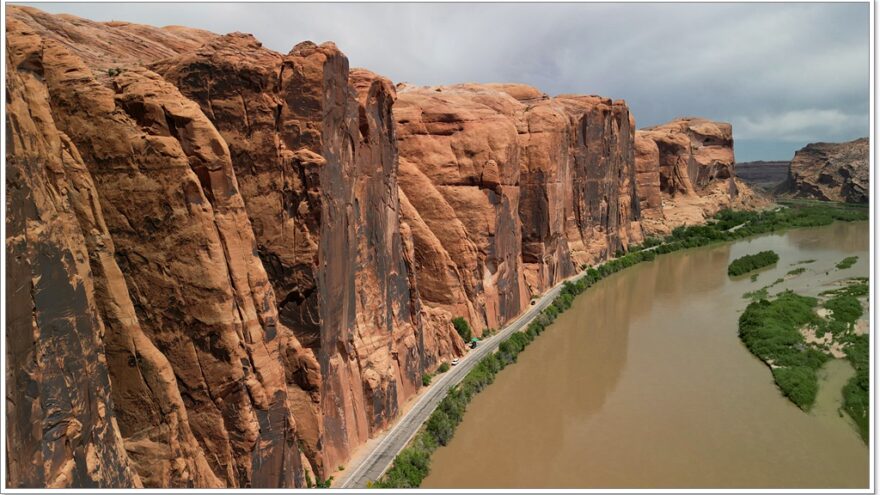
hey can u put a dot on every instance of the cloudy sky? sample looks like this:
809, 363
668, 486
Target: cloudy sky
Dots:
783, 74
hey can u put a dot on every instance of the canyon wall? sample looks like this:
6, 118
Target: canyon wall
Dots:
511, 191
830, 172
686, 174
230, 267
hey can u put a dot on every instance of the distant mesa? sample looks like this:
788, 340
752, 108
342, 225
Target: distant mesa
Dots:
763, 175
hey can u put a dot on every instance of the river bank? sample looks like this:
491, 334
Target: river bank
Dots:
645, 384
413, 464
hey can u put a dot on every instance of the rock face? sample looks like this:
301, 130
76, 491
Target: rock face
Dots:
687, 167
239, 175
508, 191
229, 267
830, 172
316, 158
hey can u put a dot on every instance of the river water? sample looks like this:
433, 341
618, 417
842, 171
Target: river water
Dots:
644, 383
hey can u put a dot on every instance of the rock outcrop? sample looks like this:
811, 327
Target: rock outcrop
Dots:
314, 149
230, 267
694, 177
510, 190
830, 172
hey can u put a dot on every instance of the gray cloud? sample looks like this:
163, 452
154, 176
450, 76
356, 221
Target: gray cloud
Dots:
783, 74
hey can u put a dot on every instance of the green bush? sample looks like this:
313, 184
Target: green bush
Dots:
441, 427
798, 383
463, 329
751, 262
426, 379
847, 262
856, 399
443, 368
845, 308
796, 271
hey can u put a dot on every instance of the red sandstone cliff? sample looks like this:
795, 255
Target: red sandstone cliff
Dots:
511, 191
229, 267
686, 174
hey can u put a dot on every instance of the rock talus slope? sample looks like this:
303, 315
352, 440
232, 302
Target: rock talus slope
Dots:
830, 172
230, 267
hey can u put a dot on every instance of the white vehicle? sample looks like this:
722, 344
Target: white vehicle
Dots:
455, 361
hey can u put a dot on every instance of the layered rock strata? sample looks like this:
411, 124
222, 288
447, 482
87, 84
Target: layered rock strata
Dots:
830, 172
686, 174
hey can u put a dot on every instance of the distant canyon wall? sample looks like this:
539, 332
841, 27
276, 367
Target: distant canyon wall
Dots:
830, 172
230, 267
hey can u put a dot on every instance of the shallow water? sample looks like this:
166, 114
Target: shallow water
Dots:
644, 383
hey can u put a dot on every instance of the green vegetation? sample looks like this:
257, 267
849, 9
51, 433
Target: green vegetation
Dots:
317, 483
751, 262
756, 295
770, 330
794, 214
803, 262
856, 286
846, 310
847, 262
796, 271
115, 71
412, 464
426, 379
463, 329
855, 392
754, 277
443, 368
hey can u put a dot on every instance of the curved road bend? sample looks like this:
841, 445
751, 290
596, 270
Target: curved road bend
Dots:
374, 463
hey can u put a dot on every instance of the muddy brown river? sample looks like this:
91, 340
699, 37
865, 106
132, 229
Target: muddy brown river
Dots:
644, 383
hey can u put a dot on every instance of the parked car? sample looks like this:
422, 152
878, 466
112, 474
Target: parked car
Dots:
455, 361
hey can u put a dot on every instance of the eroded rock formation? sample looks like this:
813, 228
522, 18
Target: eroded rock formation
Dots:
830, 172
686, 166
510, 191
229, 267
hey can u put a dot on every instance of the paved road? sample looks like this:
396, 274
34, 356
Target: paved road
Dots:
376, 462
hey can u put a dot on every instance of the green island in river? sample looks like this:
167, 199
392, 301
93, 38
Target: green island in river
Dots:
795, 335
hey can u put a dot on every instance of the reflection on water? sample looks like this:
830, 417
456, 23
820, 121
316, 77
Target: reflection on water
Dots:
644, 383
